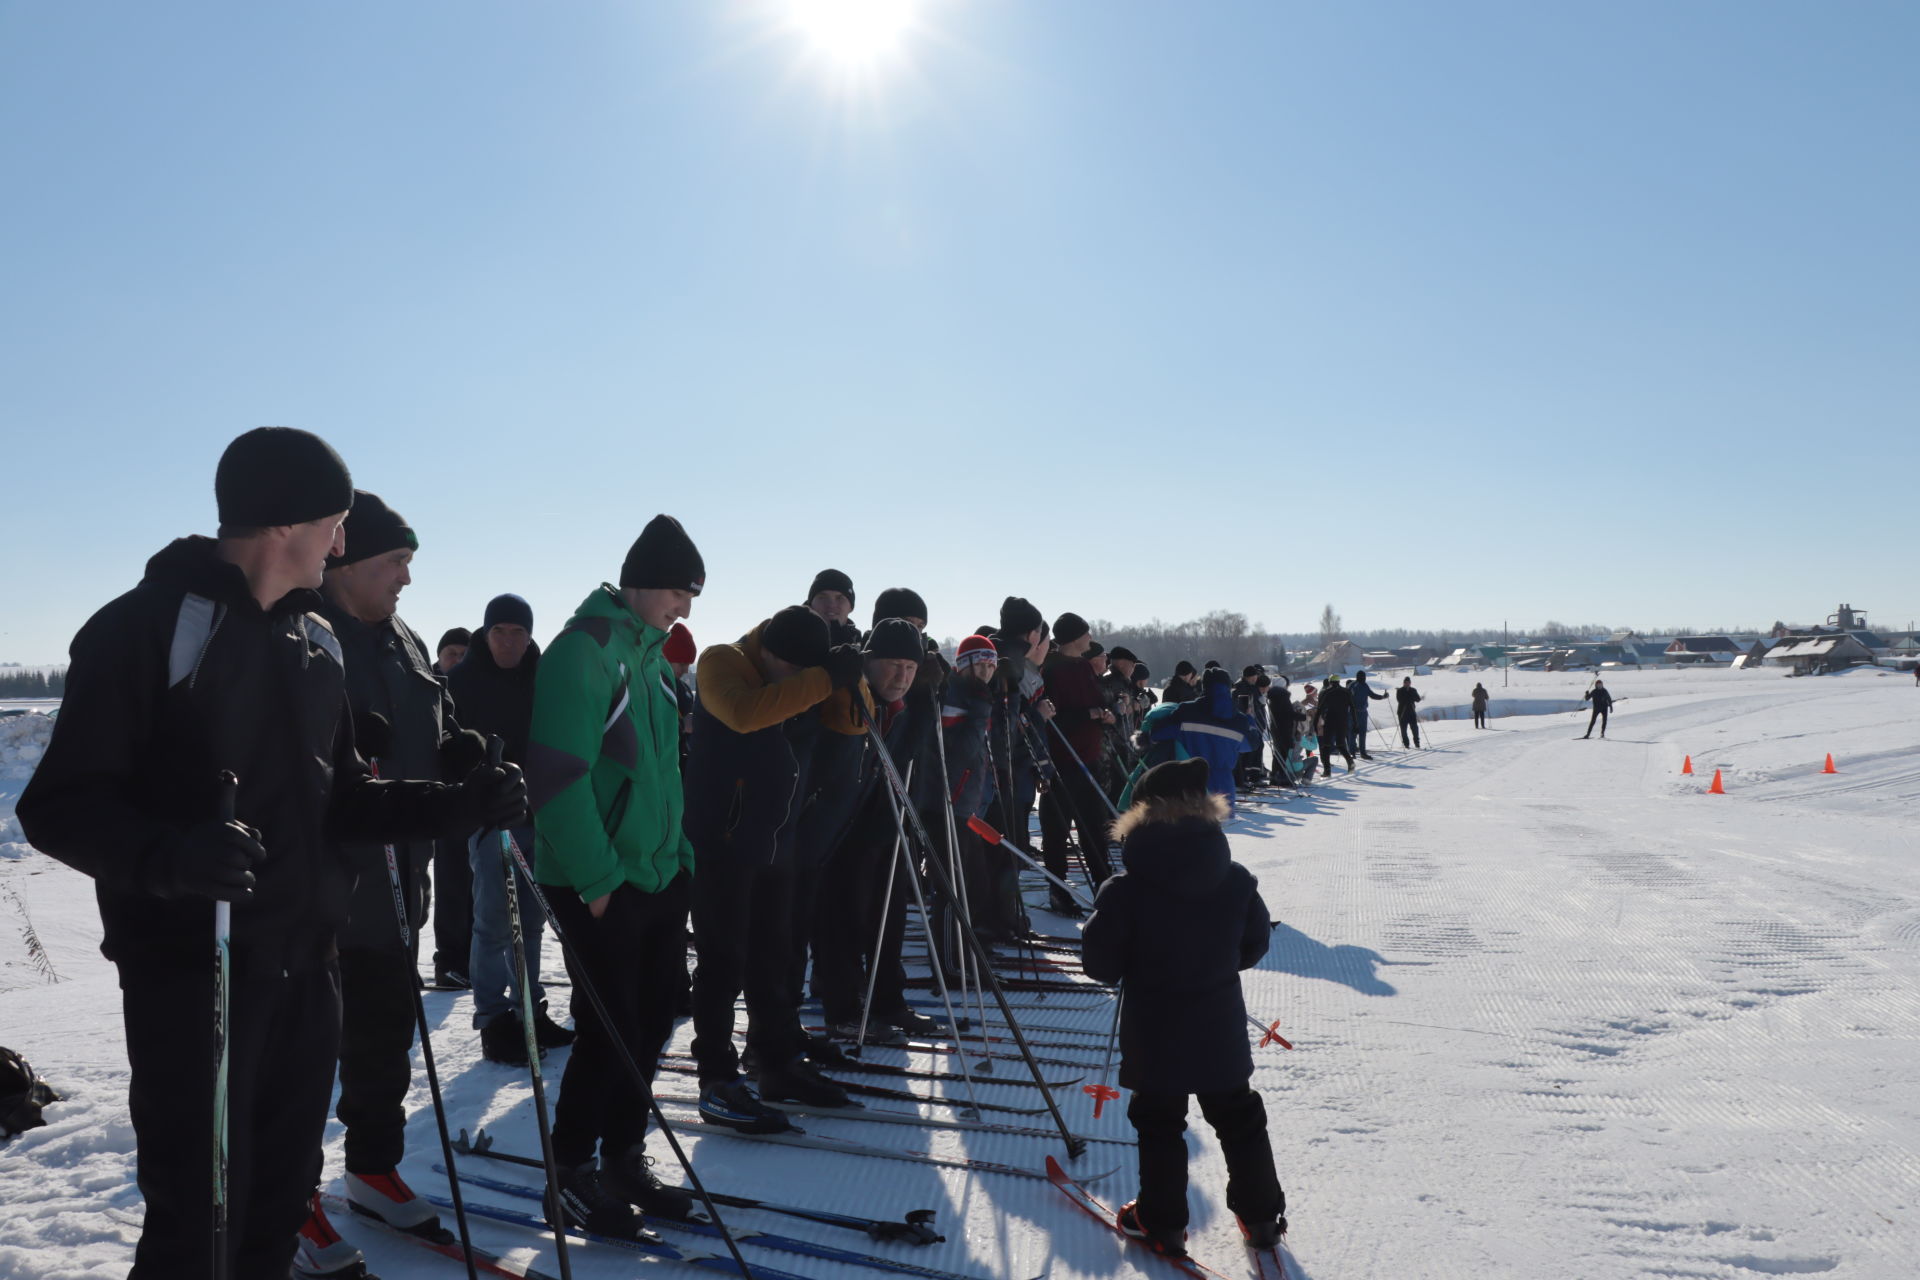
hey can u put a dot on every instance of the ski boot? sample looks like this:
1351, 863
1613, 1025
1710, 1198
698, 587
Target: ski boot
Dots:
1263, 1233
1168, 1244
731, 1105
590, 1205
630, 1176
800, 1081
319, 1253
386, 1197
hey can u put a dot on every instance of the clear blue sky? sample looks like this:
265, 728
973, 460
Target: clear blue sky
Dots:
1444, 313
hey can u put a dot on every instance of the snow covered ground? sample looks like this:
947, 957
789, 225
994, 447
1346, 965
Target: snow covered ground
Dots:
1557, 1013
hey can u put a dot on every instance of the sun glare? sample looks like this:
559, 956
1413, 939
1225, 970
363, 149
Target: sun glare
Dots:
852, 33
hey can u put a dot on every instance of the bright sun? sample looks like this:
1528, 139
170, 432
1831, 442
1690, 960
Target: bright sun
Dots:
853, 33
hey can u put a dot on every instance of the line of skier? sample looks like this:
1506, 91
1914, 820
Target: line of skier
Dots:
756, 807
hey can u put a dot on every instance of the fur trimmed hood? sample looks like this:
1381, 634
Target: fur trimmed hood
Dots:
1210, 808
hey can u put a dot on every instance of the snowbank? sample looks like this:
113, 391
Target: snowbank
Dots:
23, 740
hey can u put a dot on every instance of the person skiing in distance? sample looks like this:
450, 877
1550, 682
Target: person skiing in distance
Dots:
452, 648
1175, 930
742, 783
1333, 713
1362, 694
1602, 704
1408, 700
219, 660
1185, 685
1480, 697
493, 691
603, 761
403, 719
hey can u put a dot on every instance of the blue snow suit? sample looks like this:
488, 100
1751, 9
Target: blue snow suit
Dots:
1210, 728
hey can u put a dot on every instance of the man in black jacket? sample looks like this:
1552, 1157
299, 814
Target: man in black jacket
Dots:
1185, 685
493, 694
403, 722
1335, 706
1407, 699
1602, 704
218, 661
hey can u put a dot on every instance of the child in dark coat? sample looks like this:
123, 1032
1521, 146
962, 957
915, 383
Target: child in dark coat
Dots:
1175, 929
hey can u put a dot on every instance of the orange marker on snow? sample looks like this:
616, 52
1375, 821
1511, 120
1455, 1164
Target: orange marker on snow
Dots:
1688, 766
1716, 789
1829, 768
1101, 1094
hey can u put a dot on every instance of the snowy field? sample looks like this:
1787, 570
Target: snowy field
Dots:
1557, 1013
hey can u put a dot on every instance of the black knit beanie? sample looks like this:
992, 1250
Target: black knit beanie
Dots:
899, 602
1093, 650
510, 609
831, 580
1140, 673
373, 529
1122, 654
454, 635
895, 638
1069, 627
274, 476
1018, 617
1216, 676
797, 634
664, 556
1174, 780
1183, 668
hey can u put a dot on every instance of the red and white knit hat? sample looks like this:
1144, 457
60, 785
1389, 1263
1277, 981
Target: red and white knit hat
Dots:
975, 649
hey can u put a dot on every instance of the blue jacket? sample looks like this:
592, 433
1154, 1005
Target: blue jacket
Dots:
1210, 728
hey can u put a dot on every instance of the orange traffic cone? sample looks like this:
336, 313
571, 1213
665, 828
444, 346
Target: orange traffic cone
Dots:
1688, 766
1716, 789
1829, 768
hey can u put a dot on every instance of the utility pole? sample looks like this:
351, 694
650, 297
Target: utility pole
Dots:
1506, 654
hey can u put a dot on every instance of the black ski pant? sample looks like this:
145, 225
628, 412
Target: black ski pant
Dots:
853, 897
743, 930
1409, 724
1360, 727
1479, 715
1333, 737
1239, 1120
636, 957
1599, 716
452, 907
376, 1056
1072, 799
283, 1041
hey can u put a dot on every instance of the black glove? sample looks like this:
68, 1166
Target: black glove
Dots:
493, 797
845, 665
215, 860
372, 735
461, 754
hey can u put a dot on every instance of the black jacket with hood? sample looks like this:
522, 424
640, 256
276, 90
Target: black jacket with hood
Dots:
1177, 927
173, 682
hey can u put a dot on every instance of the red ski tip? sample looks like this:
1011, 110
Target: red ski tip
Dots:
980, 828
1101, 1094
1273, 1036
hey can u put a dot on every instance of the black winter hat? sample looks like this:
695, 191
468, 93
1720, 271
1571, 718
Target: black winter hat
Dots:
1251, 670
1216, 675
899, 602
1174, 780
273, 476
664, 556
895, 638
1069, 627
510, 609
1018, 617
1122, 654
1213, 664
1093, 650
831, 580
1140, 673
454, 635
1183, 668
373, 529
797, 634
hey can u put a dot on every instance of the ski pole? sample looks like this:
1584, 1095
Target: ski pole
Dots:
879, 940
228, 801
584, 983
1044, 766
960, 879
1104, 1092
556, 1207
1076, 1145
426, 1048
1084, 771
980, 827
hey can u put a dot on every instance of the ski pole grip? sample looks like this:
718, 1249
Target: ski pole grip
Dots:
980, 828
496, 750
228, 795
